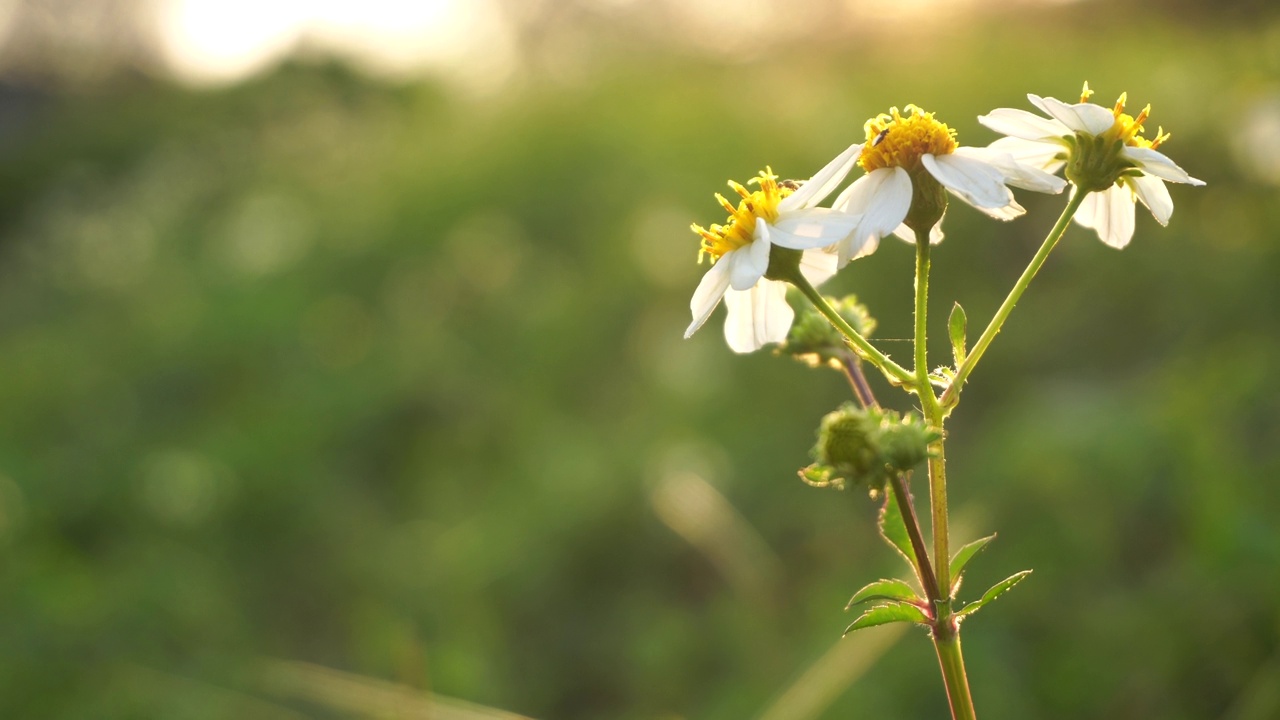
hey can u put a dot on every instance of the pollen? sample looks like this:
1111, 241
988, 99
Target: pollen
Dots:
739, 229
899, 140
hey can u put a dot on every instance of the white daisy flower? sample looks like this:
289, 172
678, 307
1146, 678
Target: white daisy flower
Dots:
779, 222
909, 159
1105, 154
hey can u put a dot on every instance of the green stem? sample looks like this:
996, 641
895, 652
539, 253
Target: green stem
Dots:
946, 637
859, 344
953, 675
952, 395
923, 389
933, 415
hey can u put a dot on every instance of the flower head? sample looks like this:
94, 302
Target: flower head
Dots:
771, 233
1105, 154
911, 160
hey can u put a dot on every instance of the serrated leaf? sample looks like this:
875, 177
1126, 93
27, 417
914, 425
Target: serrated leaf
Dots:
956, 327
893, 529
962, 558
895, 590
890, 613
996, 591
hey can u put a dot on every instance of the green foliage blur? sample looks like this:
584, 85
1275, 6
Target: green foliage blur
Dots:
389, 379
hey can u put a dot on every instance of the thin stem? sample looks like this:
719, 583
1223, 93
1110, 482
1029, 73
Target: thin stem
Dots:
852, 368
859, 344
923, 389
898, 481
933, 415
938, 504
953, 675
946, 637
950, 397
908, 509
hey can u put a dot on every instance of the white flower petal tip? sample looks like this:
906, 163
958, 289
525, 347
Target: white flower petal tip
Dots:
757, 317
817, 188
973, 180
710, 290
1110, 214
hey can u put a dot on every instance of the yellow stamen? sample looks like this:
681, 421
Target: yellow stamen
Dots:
739, 229
898, 140
1128, 129
1086, 93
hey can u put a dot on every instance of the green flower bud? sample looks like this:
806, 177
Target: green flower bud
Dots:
813, 339
846, 442
867, 446
904, 443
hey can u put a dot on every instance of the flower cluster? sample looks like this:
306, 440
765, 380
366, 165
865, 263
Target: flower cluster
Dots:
776, 232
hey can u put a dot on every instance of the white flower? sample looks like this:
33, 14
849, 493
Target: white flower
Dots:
1106, 157
902, 150
777, 215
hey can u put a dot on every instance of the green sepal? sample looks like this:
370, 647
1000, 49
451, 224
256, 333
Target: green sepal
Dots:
956, 326
996, 591
892, 590
962, 558
888, 613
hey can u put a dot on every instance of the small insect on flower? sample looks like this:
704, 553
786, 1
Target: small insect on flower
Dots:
911, 160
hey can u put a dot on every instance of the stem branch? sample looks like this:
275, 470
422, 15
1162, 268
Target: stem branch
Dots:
859, 344
952, 394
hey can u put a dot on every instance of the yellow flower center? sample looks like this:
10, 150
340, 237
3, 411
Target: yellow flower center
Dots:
897, 140
740, 228
1128, 129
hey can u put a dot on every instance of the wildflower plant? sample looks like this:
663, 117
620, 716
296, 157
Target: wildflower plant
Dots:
777, 235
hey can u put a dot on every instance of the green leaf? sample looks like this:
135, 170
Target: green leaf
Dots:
894, 529
894, 590
962, 558
956, 326
891, 613
996, 591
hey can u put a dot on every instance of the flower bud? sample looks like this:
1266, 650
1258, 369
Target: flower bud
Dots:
814, 340
867, 446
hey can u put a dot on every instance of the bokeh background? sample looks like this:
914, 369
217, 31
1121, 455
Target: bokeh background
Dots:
341, 370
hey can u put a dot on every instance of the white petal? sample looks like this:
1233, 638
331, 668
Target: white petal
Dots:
975, 181
818, 187
1080, 117
1110, 214
757, 316
1015, 173
1152, 192
883, 198
1024, 125
818, 266
1157, 163
811, 228
1046, 156
747, 265
909, 235
707, 296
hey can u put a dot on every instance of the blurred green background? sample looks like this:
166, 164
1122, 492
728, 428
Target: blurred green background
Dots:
326, 393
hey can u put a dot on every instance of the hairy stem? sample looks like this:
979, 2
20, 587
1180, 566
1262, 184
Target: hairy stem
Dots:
946, 634
952, 394
953, 675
